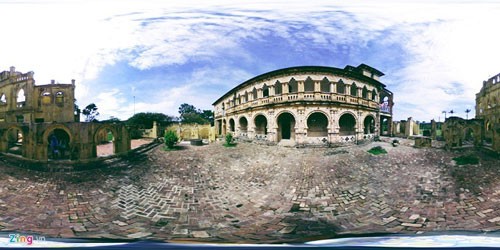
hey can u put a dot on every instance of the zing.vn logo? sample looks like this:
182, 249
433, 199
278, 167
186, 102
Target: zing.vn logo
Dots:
24, 239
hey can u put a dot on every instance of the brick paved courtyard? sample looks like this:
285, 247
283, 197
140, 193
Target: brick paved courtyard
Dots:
255, 193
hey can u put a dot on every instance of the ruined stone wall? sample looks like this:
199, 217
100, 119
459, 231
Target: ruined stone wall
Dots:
191, 131
23, 101
81, 139
458, 132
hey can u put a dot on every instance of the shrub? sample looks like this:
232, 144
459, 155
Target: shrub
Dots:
466, 159
377, 150
229, 140
170, 139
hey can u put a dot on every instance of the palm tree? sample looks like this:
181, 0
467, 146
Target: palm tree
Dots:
467, 114
451, 112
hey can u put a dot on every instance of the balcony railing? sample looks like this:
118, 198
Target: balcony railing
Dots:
333, 97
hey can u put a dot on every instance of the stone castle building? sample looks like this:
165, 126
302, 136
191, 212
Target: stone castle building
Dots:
484, 129
488, 110
307, 105
40, 122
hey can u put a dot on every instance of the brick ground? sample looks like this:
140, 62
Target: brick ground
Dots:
252, 193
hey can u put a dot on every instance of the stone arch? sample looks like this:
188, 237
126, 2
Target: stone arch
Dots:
46, 97
103, 135
369, 124
347, 123
468, 136
354, 89
317, 124
265, 91
286, 125
325, 85
278, 88
14, 139
341, 87
3, 99
243, 124
224, 127
58, 140
260, 121
364, 92
231, 125
21, 98
293, 86
374, 95
309, 85
254, 94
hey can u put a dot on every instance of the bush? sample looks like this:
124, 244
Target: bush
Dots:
170, 139
466, 159
229, 140
377, 150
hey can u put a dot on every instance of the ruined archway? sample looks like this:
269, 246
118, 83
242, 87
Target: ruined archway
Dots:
58, 147
286, 126
260, 125
243, 124
104, 141
369, 125
231, 125
317, 125
14, 137
347, 124
468, 136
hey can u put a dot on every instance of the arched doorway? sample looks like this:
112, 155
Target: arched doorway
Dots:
231, 125
260, 125
14, 140
286, 126
105, 141
369, 125
224, 127
347, 124
469, 136
243, 124
58, 145
317, 125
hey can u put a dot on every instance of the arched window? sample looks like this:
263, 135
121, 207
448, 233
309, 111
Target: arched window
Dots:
347, 124
46, 98
293, 87
3, 99
243, 124
254, 94
245, 96
260, 125
21, 98
341, 87
374, 95
354, 89
317, 125
325, 85
59, 97
309, 85
278, 88
265, 91
231, 125
364, 93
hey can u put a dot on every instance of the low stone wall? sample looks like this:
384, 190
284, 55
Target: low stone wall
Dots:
423, 142
187, 132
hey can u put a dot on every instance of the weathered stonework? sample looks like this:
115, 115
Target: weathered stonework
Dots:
488, 110
39, 122
459, 132
307, 105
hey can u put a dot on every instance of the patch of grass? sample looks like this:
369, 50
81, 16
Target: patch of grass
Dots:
174, 148
466, 160
229, 145
377, 150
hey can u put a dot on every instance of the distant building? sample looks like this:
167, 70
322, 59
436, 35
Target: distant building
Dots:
307, 105
40, 122
488, 109
484, 130
23, 101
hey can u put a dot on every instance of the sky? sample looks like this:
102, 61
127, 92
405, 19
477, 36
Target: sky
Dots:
151, 56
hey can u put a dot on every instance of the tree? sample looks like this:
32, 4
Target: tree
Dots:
467, 111
145, 120
190, 114
90, 112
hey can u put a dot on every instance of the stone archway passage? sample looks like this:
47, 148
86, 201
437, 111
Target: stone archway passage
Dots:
58, 147
260, 125
105, 142
243, 124
286, 126
369, 125
231, 125
14, 138
317, 125
347, 124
